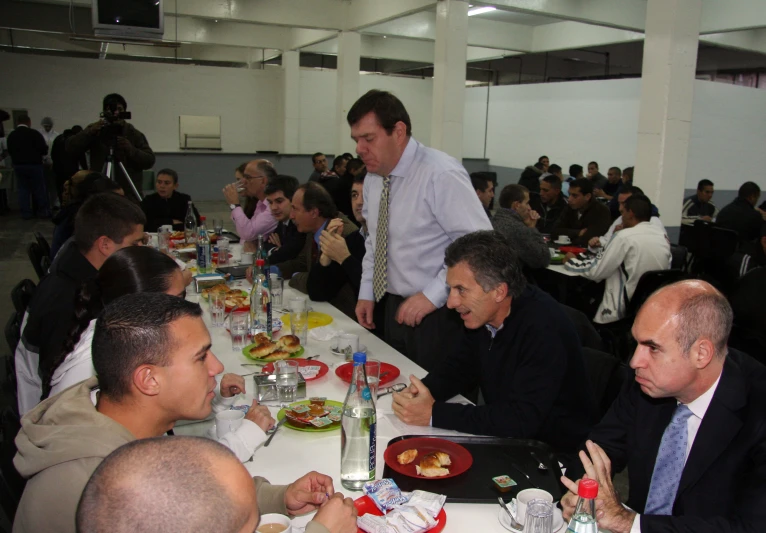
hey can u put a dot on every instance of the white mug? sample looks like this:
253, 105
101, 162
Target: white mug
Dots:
563, 239
274, 518
518, 505
348, 340
228, 421
246, 258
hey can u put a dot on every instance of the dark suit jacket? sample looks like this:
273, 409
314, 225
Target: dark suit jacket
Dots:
723, 485
596, 218
291, 243
26, 146
162, 212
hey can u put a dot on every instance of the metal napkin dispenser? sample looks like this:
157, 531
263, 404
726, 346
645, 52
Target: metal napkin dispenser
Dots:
266, 388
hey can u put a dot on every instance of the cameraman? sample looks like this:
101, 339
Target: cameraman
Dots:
131, 147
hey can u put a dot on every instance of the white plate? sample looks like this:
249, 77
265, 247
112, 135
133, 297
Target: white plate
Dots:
559, 526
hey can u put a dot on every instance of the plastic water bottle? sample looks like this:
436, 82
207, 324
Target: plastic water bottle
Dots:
358, 430
190, 225
260, 301
584, 517
204, 253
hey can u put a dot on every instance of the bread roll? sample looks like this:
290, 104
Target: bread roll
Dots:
406, 457
289, 343
277, 355
431, 465
262, 350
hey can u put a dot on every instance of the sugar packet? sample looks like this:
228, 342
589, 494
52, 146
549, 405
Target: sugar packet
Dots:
384, 493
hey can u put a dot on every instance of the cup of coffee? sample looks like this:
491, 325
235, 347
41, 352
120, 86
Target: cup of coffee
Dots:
228, 421
563, 239
348, 341
518, 505
274, 523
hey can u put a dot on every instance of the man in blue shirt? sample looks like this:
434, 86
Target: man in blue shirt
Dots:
417, 201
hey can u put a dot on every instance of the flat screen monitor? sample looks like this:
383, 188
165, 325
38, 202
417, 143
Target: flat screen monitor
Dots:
132, 19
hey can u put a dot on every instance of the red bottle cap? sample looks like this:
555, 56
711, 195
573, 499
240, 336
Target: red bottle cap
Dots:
202, 218
588, 488
260, 262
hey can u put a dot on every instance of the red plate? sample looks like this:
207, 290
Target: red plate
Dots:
323, 368
461, 458
572, 250
344, 372
365, 505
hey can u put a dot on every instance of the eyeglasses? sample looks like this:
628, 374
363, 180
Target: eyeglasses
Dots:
248, 177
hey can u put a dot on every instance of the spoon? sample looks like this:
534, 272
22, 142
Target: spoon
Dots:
514, 523
540, 466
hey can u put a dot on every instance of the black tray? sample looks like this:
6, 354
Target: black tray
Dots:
236, 272
492, 456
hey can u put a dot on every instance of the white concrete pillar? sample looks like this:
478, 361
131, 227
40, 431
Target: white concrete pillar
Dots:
349, 53
291, 102
665, 113
449, 76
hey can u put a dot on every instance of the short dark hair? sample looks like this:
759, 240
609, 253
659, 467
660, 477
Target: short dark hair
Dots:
337, 161
628, 171
630, 189
554, 168
540, 159
553, 181
574, 170
491, 258
640, 206
704, 183
388, 110
76, 128
584, 184
106, 214
347, 156
132, 331
354, 165
360, 178
618, 169
316, 197
593, 163
480, 183
113, 99
512, 193
24, 119
170, 172
286, 184
93, 183
314, 157
160, 484
748, 189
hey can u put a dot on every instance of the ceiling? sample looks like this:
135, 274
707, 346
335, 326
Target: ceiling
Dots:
397, 35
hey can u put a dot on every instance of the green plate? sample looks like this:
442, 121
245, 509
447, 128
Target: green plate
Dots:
312, 429
246, 353
558, 259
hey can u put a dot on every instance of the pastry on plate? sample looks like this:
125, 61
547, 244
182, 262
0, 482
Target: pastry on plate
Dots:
289, 343
263, 350
432, 465
276, 355
406, 457
261, 338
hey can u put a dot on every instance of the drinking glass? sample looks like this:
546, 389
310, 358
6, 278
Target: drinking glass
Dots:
372, 368
287, 381
276, 284
223, 251
539, 517
218, 225
299, 319
217, 308
239, 327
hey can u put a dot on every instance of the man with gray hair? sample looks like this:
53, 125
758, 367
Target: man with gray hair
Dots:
185, 484
518, 347
691, 428
256, 175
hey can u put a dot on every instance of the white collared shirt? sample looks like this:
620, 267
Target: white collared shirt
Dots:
698, 408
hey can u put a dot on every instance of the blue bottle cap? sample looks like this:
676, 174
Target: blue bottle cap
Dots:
360, 357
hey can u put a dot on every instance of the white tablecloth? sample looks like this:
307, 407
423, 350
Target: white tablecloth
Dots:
292, 453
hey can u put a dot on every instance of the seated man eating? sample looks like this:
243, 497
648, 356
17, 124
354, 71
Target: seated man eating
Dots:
518, 347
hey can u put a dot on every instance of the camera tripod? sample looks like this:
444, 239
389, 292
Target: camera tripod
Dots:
109, 168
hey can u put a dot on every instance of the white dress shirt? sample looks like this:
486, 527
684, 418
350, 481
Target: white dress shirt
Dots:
431, 204
698, 408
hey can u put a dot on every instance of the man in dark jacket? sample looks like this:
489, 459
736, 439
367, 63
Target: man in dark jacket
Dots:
552, 203
741, 215
167, 207
27, 147
64, 164
519, 348
286, 242
584, 217
131, 147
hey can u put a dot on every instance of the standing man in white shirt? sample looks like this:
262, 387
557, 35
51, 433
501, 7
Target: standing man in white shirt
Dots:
418, 201
253, 185
690, 428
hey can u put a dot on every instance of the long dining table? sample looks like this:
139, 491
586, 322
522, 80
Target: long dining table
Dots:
292, 453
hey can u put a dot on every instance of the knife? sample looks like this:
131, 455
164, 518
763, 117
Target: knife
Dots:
276, 428
516, 467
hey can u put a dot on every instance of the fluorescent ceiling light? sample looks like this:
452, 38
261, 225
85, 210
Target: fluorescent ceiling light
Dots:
480, 10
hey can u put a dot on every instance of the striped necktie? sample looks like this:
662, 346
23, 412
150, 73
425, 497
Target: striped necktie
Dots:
380, 273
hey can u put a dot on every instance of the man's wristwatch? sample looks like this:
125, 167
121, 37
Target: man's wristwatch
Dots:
233, 206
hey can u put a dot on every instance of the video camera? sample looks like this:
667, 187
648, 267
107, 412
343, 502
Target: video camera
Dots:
112, 120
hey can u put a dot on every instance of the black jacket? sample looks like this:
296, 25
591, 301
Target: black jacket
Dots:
743, 218
549, 214
723, 484
162, 212
65, 164
26, 146
291, 242
51, 311
325, 282
596, 219
531, 375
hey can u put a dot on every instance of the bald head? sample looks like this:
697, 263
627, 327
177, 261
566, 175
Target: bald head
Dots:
701, 312
168, 485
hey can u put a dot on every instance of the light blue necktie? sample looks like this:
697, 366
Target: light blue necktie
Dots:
669, 464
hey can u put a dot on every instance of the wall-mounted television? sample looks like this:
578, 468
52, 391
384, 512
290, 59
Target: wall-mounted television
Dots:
131, 19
